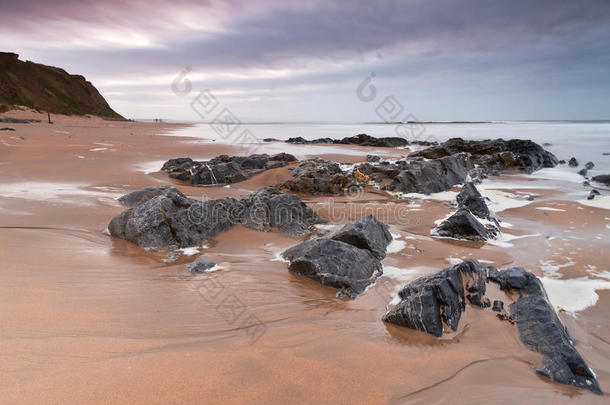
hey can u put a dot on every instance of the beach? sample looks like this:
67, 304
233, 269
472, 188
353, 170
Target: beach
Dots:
87, 317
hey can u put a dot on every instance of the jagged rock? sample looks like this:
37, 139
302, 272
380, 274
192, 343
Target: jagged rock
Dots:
603, 178
471, 199
589, 165
592, 194
349, 260
463, 225
583, 172
541, 330
335, 264
495, 155
573, 162
366, 233
224, 169
382, 170
319, 176
201, 265
432, 176
361, 139
175, 221
372, 158
498, 306
434, 303
144, 194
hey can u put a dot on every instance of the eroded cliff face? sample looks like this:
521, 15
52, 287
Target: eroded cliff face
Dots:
48, 88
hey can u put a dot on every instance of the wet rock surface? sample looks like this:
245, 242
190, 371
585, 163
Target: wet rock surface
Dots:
602, 178
434, 303
201, 265
319, 177
432, 176
541, 330
144, 194
495, 155
471, 199
573, 162
224, 169
360, 139
463, 225
349, 260
175, 221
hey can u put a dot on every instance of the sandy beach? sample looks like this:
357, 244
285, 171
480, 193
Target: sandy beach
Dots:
91, 318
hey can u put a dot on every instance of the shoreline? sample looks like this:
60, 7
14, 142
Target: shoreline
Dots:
113, 321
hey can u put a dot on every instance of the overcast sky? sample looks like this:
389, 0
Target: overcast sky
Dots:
283, 60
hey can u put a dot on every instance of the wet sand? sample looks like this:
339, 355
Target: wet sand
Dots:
89, 318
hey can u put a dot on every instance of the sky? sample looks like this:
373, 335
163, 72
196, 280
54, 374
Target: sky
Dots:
328, 61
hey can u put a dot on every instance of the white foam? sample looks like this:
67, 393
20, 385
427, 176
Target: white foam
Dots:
503, 239
550, 209
396, 246
573, 295
150, 167
97, 149
50, 191
398, 273
550, 268
279, 258
600, 201
192, 250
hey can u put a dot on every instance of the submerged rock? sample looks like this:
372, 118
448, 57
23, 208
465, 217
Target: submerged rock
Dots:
573, 162
463, 225
592, 194
432, 176
173, 220
224, 169
541, 330
7, 129
603, 178
434, 303
201, 265
361, 139
589, 165
496, 155
349, 260
144, 194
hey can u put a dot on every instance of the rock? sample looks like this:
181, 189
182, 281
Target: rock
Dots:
582, 172
271, 140
473, 201
319, 176
7, 129
144, 194
361, 139
175, 221
530, 198
495, 155
372, 158
573, 162
463, 225
366, 233
224, 169
434, 303
547, 144
432, 176
589, 165
201, 265
541, 330
562, 162
603, 178
336, 264
17, 121
592, 194
498, 306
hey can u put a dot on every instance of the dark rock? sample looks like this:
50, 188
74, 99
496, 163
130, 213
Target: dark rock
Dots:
224, 169
201, 265
366, 233
530, 198
17, 121
498, 306
432, 176
319, 176
144, 194
271, 140
495, 155
435, 303
589, 165
573, 162
335, 264
582, 172
547, 144
372, 158
592, 194
382, 170
541, 330
173, 220
463, 225
7, 129
473, 201
562, 162
586, 183
361, 139
603, 178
